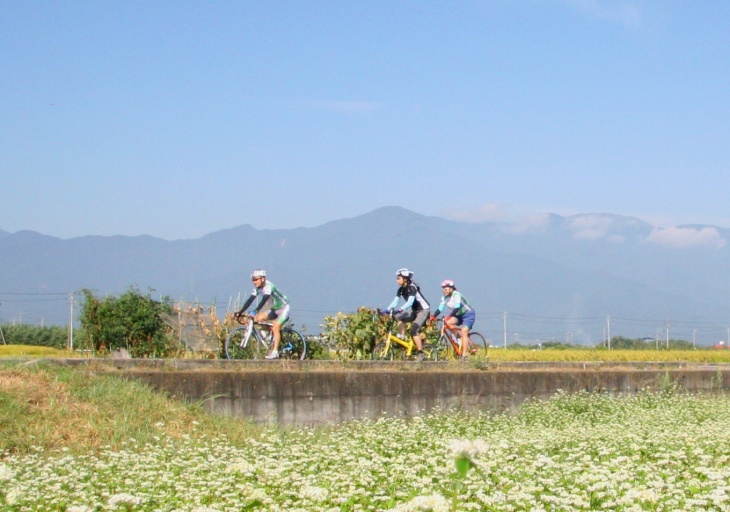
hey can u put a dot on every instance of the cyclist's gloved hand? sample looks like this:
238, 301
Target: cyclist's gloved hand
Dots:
432, 318
399, 310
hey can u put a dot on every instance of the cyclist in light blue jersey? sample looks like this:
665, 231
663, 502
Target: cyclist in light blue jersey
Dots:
461, 316
276, 312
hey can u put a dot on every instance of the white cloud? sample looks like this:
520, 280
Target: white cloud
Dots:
536, 222
687, 237
623, 12
489, 212
591, 227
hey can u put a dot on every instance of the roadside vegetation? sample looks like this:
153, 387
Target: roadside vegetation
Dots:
158, 328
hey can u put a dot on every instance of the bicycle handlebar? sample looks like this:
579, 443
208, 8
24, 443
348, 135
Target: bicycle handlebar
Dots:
245, 318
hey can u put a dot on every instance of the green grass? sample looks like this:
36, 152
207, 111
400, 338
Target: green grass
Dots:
75, 410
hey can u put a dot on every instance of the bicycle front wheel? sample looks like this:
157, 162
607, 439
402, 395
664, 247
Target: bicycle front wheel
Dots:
443, 350
477, 345
293, 345
382, 352
430, 352
236, 346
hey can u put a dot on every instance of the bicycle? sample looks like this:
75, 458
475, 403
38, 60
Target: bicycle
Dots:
448, 345
254, 339
386, 350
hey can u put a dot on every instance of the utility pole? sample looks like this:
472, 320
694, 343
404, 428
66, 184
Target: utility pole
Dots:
1, 332
70, 321
504, 321
666, 326
694, 338
608, 331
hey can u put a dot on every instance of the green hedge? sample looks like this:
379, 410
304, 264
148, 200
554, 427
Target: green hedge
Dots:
51, 336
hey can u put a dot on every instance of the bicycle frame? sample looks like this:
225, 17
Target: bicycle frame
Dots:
453, 336
384, 349
256, 338
253, 328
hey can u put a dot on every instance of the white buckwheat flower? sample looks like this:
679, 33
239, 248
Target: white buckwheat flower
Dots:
433, 503
5, 473
470, 449
314, 493
123, 499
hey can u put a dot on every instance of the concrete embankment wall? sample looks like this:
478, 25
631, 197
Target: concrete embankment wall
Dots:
322, 393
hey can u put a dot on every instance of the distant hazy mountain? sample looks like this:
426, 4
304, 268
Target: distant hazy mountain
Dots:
556, 278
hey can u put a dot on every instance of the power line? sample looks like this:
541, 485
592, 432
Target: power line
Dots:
35, 293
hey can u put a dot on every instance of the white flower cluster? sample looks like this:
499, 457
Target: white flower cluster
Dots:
433, 503
244, 468
123, 499
79, 508
470, 449
5, 473
313, 493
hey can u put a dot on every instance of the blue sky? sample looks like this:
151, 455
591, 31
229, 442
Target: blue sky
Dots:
179, 118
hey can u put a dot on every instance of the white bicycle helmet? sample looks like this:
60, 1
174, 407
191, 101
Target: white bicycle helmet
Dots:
258, 273
404, 272
447, 282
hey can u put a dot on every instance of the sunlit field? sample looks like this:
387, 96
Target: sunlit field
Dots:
35, 351
601, 355
656, 451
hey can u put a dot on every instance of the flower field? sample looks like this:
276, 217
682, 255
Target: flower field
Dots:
655, 451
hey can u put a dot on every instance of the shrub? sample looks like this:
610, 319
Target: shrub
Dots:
353, 335
35, 335
133, 321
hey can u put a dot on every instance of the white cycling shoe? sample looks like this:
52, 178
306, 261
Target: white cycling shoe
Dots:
274, 354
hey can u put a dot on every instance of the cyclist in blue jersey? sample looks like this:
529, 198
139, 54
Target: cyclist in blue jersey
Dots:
416, 308
276, 304
461, 316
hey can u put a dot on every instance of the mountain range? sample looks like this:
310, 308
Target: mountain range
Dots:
567, 278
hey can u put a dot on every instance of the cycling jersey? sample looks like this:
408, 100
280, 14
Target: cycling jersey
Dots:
411, 293
457, 302
268, 293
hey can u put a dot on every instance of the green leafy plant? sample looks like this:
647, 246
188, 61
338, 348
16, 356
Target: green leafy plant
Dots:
353, 335
133, 321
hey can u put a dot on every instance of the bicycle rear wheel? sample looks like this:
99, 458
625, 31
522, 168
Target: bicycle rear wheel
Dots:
293, 345
382, 352
233, 345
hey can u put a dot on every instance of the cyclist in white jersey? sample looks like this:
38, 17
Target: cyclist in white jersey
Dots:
276, 312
